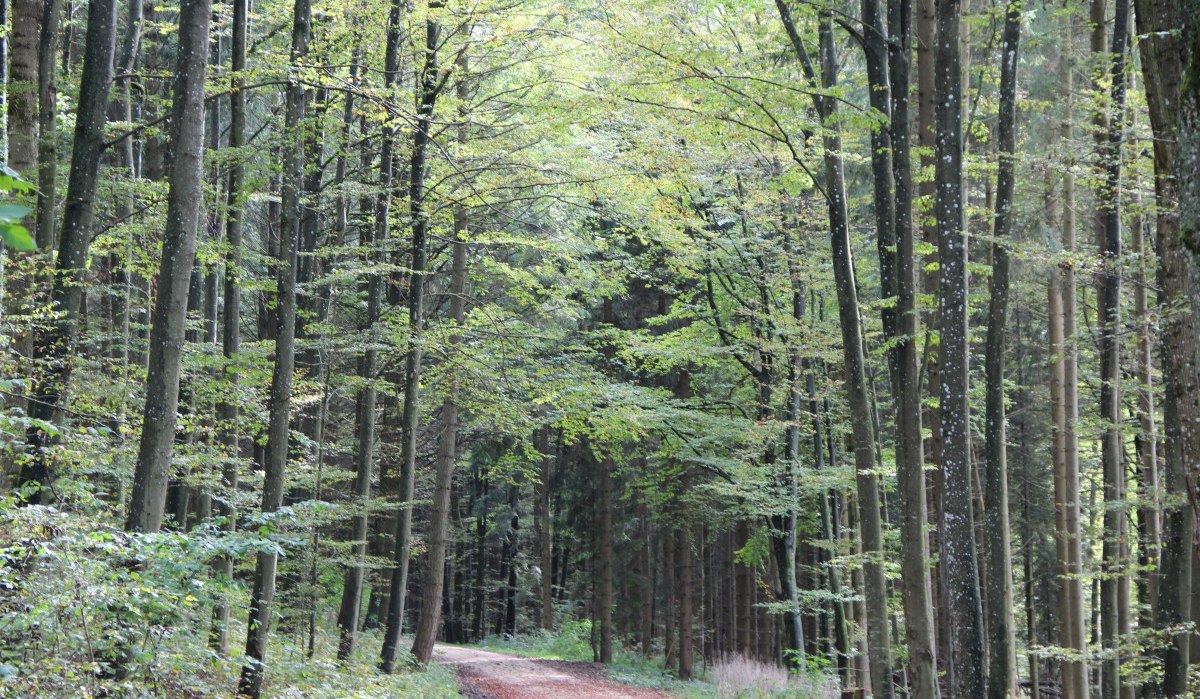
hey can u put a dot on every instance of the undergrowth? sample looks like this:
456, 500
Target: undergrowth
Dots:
77, 593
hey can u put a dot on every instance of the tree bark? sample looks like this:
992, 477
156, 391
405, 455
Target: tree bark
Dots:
22, 90
178, 255
364, 457
227, 410
871, 528
47, 156
430, 85
439, 525
1001, 642
1114, 585
276, 456
604, 558
958, 547
54, 346
1168, 58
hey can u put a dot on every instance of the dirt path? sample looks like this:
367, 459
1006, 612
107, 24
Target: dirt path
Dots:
487, 675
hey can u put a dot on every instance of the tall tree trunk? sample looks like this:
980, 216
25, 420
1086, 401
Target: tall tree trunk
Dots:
47, 174
1166, 58
54, 345
888, 50
364, 458
1114, 585
227, 410
430, 85
543, 532
276, 457
958, 547
871, 528
604, 557
178, 254
439, 525
22, 90
1150, 496
683, 541
1001, 642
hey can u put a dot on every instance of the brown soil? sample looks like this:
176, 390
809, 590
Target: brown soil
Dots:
487, 675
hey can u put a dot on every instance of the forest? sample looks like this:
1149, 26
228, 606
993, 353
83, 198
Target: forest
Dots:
683, 348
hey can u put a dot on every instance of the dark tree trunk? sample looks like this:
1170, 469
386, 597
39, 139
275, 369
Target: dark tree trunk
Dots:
373, 238
1114, 586
604, 556
47, 174
683, 541
1001, 643
1168, 59
958, 546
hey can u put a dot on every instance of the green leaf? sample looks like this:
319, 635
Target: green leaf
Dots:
16, 237
13, 212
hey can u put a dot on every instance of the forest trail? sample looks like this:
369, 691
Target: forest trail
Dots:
487, 675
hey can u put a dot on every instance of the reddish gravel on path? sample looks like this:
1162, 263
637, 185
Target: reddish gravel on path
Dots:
487, 675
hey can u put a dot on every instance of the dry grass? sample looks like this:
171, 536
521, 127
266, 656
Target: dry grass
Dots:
739, 677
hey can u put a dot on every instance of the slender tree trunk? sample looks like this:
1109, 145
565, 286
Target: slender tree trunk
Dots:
419, 214
1150, 497
54, 346
364, 458
276, 457
47, 175
878, 643
543, 532
1114, 604
439, 525
958, 547
604, 557
683, 541
1180, 267
227, 410
178, 254
1001, 642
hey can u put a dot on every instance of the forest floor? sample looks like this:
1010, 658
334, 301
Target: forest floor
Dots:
488, 675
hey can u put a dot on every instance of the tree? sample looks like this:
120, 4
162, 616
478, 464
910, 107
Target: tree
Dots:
958, 548
1001, 641
178, 254
276, 456
54, 345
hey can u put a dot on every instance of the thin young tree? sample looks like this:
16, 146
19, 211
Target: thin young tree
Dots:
1001, 635
374, 235
231, 330
1114, 585
276, 455
430, 86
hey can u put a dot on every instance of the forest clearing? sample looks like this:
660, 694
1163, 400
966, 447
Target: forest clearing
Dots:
599, 348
